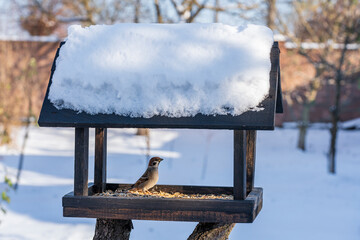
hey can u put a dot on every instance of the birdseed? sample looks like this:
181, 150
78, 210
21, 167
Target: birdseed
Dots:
161, 194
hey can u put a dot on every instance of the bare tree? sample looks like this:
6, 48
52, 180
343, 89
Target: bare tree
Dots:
189, 10
307, 98
38, 17
44, 17
324, 33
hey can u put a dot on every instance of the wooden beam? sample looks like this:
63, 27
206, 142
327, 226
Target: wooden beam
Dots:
239, 164
100, 159
81, 161
250, 159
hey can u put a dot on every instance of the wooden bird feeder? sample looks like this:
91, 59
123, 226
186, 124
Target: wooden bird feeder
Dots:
247, 201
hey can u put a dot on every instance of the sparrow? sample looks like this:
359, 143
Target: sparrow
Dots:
150, 176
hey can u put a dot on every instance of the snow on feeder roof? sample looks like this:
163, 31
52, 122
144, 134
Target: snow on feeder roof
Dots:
173, 70
146, 71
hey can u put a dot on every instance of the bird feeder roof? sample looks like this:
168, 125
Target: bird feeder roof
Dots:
100, 92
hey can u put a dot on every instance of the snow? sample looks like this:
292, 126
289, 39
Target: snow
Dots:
301, 200
351, 124
142, 70
317, 125
29, 38
315, 45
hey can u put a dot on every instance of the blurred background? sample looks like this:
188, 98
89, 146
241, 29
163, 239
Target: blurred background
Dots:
309, 166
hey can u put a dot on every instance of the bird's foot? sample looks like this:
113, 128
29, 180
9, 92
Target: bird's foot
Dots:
147, 192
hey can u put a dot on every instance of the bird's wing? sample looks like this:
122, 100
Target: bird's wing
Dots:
142, 179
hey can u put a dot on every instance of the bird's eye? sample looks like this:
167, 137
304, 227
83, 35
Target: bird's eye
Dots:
154, 163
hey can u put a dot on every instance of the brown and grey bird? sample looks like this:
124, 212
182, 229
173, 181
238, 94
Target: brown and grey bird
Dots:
150, 176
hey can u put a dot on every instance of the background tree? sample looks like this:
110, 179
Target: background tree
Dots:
271, 13
40, 17
327, 34
45, 17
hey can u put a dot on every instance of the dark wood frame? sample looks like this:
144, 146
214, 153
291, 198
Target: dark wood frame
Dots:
247, 202
193, 210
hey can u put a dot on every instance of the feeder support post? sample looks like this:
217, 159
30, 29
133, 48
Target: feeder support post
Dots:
81, 161
239, 164
250, 159
100, 159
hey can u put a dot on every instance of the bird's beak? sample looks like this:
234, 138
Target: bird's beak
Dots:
161, 159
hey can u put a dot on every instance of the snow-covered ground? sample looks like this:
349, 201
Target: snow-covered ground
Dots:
301, 200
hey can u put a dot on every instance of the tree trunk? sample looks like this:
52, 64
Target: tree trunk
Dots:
112, 229
271, 14
142, 132
335, 117
158, 12
302, 136
216, 12
303, 126
335, 110
137, 11
333, 133
212, 231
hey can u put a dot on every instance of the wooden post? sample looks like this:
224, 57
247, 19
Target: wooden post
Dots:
100, 160
218, 231
112, 229
81, 161
239, 164
250, 159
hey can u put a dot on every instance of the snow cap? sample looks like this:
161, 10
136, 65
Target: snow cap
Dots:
174, 70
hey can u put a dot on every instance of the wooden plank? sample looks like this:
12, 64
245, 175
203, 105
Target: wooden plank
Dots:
258, 201
70, 200
239, 164
250, 120
100, 159
279, 99
164, 215
250, 159
196, 210
81, 161
158, 203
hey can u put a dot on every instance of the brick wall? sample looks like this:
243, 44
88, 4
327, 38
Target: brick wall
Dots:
297, 72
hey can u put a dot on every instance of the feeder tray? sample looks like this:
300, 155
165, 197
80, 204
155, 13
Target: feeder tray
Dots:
166, 209
84, 201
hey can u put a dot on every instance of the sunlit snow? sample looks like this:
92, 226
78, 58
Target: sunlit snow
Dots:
142, 70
